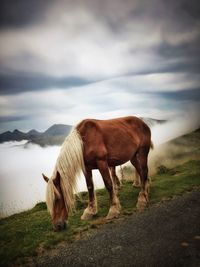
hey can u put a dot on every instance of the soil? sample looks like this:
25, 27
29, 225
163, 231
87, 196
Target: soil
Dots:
167, 234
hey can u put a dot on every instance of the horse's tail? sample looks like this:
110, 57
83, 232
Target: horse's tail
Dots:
151, 145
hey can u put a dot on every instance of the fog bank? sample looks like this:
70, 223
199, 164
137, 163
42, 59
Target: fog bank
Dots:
21, 183
170, 130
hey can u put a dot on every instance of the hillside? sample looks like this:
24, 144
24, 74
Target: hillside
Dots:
176, 151
30, 233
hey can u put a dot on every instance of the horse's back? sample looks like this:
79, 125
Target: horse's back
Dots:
130, 126
117, 140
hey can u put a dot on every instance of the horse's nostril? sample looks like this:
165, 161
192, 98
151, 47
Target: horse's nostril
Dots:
57, 228
60, 227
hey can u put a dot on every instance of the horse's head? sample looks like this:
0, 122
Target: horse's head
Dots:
55, 202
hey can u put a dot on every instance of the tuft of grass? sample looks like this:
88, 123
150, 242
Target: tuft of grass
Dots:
162, 169
25, 234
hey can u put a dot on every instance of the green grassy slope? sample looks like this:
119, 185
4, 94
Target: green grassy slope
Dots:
176, 152
25, 234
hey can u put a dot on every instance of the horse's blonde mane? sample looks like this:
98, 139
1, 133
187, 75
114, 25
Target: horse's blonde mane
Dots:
50, 196
69, 164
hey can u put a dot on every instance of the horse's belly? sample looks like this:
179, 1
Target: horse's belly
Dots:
113, 159
116, 151
121, 156
116, 162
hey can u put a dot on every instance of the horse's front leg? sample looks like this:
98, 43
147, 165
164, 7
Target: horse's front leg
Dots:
115, 179
91, 209
115, 207
136, 182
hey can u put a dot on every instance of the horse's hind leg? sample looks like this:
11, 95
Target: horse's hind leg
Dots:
91, 209
140, 163
115, 207
115, 179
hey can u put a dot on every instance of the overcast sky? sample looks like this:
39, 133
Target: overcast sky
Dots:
65, 60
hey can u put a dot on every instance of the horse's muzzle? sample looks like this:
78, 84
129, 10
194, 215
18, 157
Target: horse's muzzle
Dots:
60, 226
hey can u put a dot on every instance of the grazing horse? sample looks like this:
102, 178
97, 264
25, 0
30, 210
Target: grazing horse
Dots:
98, 144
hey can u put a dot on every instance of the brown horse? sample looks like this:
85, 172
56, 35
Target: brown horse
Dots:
98, 144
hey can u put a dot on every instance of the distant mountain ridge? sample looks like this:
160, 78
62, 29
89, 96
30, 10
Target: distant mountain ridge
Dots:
54, 135
58, 129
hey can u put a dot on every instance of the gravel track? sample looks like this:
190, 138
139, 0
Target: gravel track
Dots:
167, 234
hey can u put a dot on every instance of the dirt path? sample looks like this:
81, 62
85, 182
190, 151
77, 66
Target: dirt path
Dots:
165, 235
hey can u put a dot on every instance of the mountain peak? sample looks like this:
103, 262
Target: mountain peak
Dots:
16, 131
58, 129
33, 131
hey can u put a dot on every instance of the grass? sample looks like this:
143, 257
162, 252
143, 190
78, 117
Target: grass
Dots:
175, 181
25, 234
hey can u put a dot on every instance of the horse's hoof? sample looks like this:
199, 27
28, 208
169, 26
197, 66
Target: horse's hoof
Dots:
113, 213
141, 206
142, 201
87, 215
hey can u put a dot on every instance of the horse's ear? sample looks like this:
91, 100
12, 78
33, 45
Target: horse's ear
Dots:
57, 179
45, 178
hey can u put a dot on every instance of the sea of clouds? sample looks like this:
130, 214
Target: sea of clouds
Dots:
21, 182
21, 166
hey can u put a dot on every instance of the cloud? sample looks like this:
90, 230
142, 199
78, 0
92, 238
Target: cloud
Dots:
169, 131
12, 118
15, 14
22, 185
160, 97
14, 83
72, 60
91, 42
